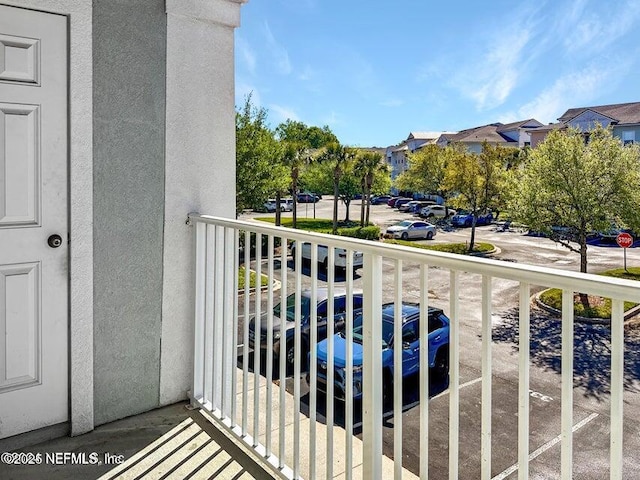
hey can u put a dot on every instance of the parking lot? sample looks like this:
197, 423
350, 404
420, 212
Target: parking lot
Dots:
591, 399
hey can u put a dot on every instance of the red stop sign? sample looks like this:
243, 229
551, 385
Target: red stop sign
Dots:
624, 240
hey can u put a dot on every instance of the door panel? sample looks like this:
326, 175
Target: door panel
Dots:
33, 206
19, 165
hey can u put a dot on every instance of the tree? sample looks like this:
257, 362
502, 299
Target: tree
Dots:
426, 172
259, 174
465, 177
338, 157
294, 157
367, 166
299, 141
582, 184
494, 162
477, 178
311, 137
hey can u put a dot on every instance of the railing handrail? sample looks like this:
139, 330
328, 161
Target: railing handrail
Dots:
608, 287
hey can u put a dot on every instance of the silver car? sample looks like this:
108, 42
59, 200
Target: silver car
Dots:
412, 229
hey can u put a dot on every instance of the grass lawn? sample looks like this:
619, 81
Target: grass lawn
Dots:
598, 307
320, 225
252, 279
459, 248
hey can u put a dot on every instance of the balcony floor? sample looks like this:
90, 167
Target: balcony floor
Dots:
170, 442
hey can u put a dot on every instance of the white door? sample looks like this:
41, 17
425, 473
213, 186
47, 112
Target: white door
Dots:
33, 208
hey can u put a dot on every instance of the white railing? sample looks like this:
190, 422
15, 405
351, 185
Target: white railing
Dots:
268, 418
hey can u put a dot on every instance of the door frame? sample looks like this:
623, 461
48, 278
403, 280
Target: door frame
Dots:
80, 208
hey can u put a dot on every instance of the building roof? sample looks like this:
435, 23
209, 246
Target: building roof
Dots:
400, 148
547, 128
480, 134
621, 113
519, 124
423, 135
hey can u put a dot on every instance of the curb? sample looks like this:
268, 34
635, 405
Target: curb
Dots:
276, 285
594, 321
496, 250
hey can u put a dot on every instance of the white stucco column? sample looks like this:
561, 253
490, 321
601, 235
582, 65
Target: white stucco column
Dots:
200, 162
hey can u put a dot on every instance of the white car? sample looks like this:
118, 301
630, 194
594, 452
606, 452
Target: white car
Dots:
437, 211
340, 258
412, 229
286, 205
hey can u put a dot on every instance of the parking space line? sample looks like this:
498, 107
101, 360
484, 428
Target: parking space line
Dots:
460, 387
545, 447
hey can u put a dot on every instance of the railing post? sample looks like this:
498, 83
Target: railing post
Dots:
485, 448
197, 389
617, 389
454, 377
372, 367
566, 464
523, 388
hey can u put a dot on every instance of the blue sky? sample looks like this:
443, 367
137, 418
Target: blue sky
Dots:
373, 71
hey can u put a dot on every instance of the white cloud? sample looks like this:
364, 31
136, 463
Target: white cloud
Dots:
307, 74
278, 52
332, 119
577, 88
243, 90
282, 113
247, 55
590, 29
392, 102
489, 73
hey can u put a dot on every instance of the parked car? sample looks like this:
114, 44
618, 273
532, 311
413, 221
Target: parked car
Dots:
340, 259
412, 229
339, 315
286, 204
380, 199
392, 201
438, 342
307, 198
401, 201
465, 219
421, 204
409, 206
269, 206
436, 211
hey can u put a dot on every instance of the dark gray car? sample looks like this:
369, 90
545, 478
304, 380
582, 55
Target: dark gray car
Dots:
340, 312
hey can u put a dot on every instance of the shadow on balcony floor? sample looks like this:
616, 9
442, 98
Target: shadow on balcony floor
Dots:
170, 442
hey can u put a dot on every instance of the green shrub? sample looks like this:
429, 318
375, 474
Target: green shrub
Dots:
365, 233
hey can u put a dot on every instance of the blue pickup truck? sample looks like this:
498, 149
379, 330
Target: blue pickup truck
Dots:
410, 345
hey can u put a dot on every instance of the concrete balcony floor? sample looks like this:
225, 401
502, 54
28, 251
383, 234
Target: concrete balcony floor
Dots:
171, 442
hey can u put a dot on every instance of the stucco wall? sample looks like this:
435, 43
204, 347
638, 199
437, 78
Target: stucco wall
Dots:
200, 164
129, 53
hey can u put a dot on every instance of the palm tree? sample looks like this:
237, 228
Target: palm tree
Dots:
338, 157
368, 164
295, 155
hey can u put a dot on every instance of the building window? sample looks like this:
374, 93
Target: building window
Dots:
628, 137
